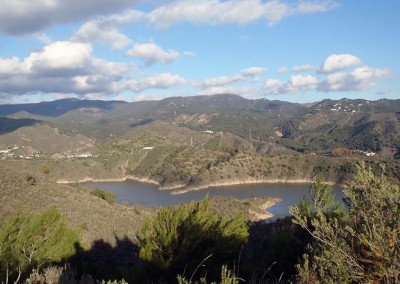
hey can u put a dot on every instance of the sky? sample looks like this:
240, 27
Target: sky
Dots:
290, 50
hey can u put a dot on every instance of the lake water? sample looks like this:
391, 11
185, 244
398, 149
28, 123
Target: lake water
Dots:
148, 195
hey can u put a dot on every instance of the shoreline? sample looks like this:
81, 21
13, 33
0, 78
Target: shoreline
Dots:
243, 182
90, 179
264, 206
182, 188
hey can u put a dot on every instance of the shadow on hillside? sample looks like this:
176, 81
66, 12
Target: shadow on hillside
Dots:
273, 251
104, 261
141, 122
270, 255
8, 125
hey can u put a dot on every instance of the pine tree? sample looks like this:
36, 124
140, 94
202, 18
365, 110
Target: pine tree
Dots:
362, 247
179, 239
30, 241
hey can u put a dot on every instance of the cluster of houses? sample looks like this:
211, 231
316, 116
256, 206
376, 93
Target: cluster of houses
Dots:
19, 152
16, 152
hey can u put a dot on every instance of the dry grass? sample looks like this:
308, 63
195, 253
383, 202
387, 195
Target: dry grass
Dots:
95, 218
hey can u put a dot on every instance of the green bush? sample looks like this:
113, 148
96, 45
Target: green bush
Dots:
30, 241
105, 195
180, 239
363, 247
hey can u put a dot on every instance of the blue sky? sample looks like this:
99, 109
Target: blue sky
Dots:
298, 51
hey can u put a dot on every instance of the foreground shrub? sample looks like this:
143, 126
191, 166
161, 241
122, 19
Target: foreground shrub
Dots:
105, 195
364, 247
30, 241
227, 277
190, 239
64, 275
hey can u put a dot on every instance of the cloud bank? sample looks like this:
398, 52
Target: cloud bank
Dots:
329, 78
24, 17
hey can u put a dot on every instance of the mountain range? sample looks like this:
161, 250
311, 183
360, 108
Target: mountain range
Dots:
183, 142
354, 124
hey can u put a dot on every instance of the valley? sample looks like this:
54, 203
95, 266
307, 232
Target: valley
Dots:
179, 145
187, 143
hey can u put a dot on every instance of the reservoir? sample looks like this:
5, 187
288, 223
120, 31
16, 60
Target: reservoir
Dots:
148, 195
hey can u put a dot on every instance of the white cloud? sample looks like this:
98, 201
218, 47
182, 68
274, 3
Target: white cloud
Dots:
303, 81
59, 57
247, 74
24, 17
273, 86
104, 29
307, 7
102, 32
220, 81
302, 68
253, 71
158, 81
362, 78
43, 38
232, 11
272, 83
10, 67
152, 53
147, 97
296, 84
336, 62
244, 91
61, 67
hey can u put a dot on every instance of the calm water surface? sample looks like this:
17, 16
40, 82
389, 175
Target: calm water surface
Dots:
148, 195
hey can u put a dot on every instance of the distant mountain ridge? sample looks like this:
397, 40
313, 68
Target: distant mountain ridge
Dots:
201, 104
351, 123
57, 107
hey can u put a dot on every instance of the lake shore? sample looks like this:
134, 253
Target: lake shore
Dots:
183, 188
263, 214
90, 179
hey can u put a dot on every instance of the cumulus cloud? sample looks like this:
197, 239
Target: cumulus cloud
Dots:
247, 74
337, 62
303, 82
24, 17
232, 12
296, 84
220, 81
104, 29
158, 81
273, 86
61, 67
152, 53
360, 79
302, 68
102, 32
253, 71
